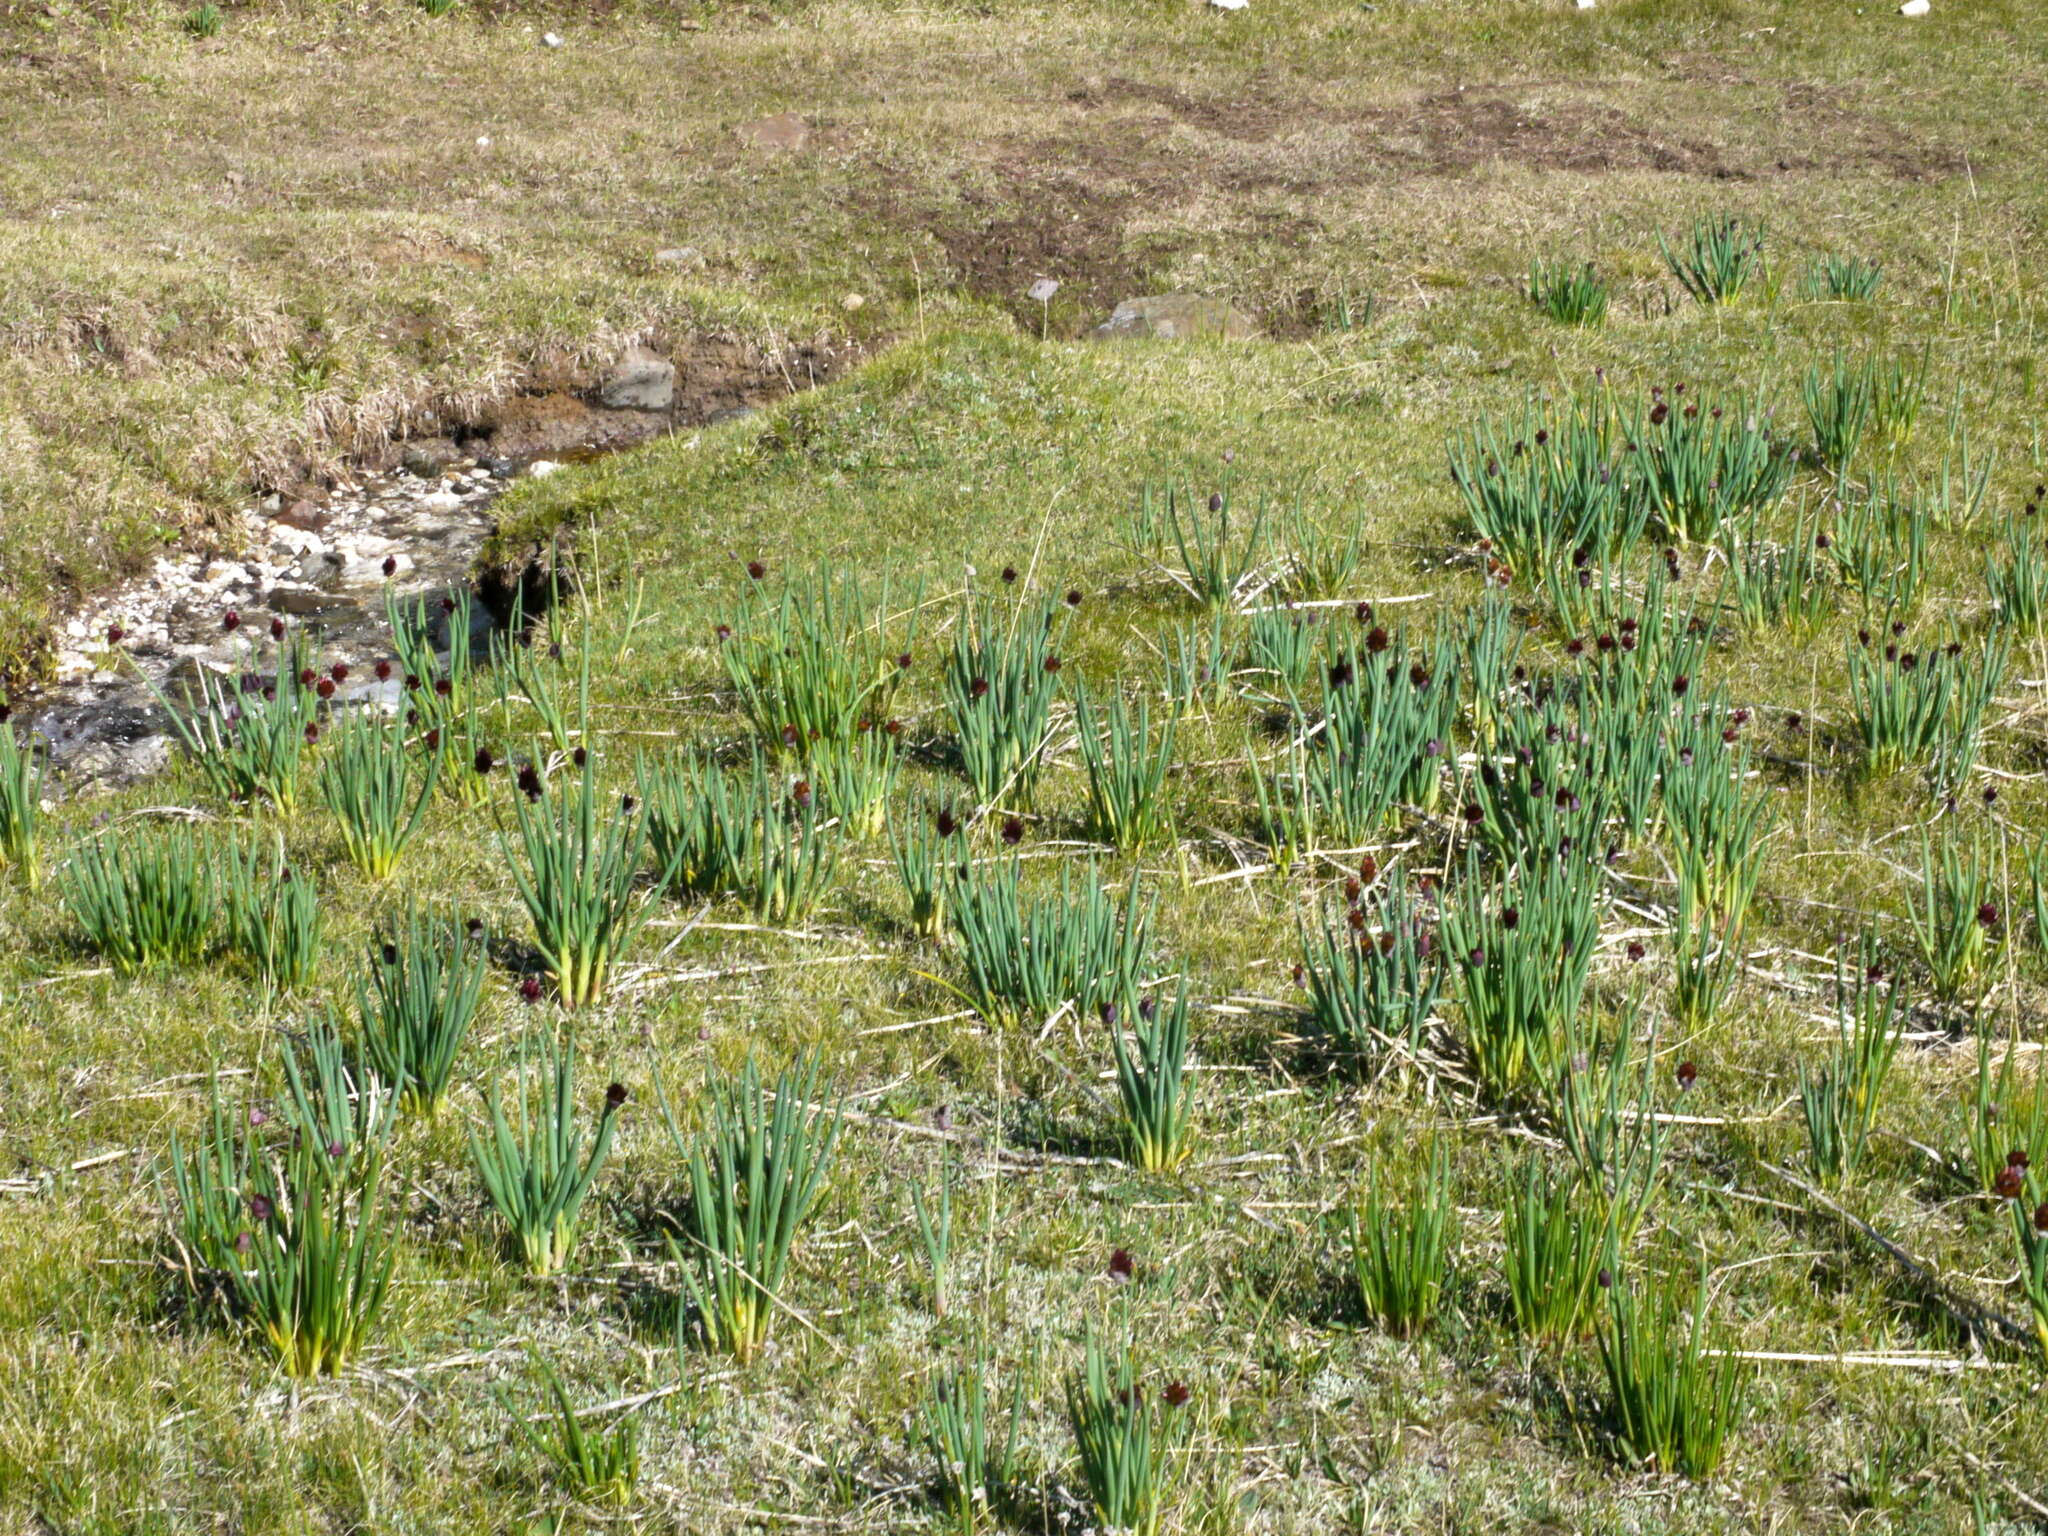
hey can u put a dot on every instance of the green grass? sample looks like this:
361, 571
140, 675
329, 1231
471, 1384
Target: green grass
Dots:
968, 442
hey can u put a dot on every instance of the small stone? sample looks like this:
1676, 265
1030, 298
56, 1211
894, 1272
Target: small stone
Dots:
540, 469
641, 380
440, 501
783, 131
551, 39
852, 302
680, 256
1914, 8
304, 515
1175, 317
1230, 5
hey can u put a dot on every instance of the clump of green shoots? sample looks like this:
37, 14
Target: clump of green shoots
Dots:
1674, 1395
754, 1178
1879, 549
758, 838
1373, 991
814, 664
2018, 583
1769, 583
273, 914
1321, 559
1401, 1247
854, 779
143, 901
1152, 1081
935, 1233
1541, 490
342, 1110
2006, 1126
1125, 1444
930, 847
21, 803
1077, 947
376, 793
1703, 464
579, 879
976, 1466
599, 1464
533, 1166
1839, 1103
1127, 768
1719, 259
1923, 707
999, 683
1280, 645
1958, 930
1848, 279
417, 1002
1557, 1241
1222, 561
247, 736
1602, 1106
2029, 1216
1570, 294
298, 1242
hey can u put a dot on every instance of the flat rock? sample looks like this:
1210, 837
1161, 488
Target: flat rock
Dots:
783, 131
641, 380
1175, 317
306, 516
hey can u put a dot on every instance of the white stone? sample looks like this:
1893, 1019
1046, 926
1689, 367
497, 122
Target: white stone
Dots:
1914, 8
551, 39
1230, 5
440, 501
540, 469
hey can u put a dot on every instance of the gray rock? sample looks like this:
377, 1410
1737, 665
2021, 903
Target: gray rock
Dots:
428, 457
1175, 317
680, 256
642, 380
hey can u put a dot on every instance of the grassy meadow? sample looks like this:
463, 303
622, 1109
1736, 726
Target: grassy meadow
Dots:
1601, 907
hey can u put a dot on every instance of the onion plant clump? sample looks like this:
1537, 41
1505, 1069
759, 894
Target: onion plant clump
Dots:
715, 833
1556, 482
1540, 794
440, 685
533, 1165
144, 901
248, 734
753, 1180
600, 1463
272, 912
815, 663
1675, 1394
21, 803
2006, 1124
375, 791
1280, 646
1152, 1081
976, 1454
1718, 260
1958, 930
1768, 583
1401, 1247
1849, 279
1077, 947
1879, 550
1127, 766
417, 1000
1222, 556
1557, 1240
1489, 644
853, 780
298, 1243
1000, 682
1849, 400
1570, 294
1839, 1103
1523, 947
1322, 560
1126, 1444
1704, 464
2018, 584
1373, 985
930, 849
578, 872
1719, 826
341, 1108
1601, 1106
1197, 662
1923, 707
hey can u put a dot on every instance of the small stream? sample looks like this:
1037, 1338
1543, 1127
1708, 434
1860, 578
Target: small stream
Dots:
323, 570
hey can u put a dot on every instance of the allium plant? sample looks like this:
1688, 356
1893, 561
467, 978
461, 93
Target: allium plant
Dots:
2028, 1212
143, 901
1839, 1103
1077, 947
273, 913
1321, 559
1197, 662
601, 1464
1125, 1444
1571, 294
1374, 978
578, 873
1602, 1106
1000, 681
2018, 583
1490, 643
815, 663
248, 735
853, 780
1674, 1394
1768, 583
1557, 1240
1127, 765
533, 1165
342, 1110
1524, 950
704, 823
2006, 1124
21, 803
1401, 1247
417, 1000
1958, 929
1151, 1079
1719, 259
754, 1178
975, 1453
1550, 485
1924, 707
378, 796
1843, 279
1222, 558
1704, 464
1719, 825
1879, 549
930, 847
1280, 647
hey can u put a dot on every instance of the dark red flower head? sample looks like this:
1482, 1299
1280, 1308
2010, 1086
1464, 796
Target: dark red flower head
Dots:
978, 688
325, 687
1121, 1265
1074, 598
484, 760
1009, 575
946, 822
277, 629
1688, 1074
2010, 1183
1013, 830
231, 621
391, 565
756, 570
115, 633
529, 989
1376, 640
529, 782
1177, 1394
383, 670
614, 1096
1635, 949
